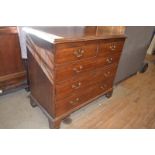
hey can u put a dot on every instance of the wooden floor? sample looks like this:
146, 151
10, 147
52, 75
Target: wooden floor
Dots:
132, 105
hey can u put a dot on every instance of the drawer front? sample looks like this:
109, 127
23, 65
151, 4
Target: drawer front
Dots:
80, 83
107, 60
65, 72
76, 100
68, 52
108, 47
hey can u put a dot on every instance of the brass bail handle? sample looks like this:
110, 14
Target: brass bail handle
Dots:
113, 47
103, 86
75, 101
106, 74
79, 69
79, 53
109, 60
76, 86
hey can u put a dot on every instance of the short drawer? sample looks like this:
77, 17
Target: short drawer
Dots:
76, 100
108, 47
69, 52
80, 83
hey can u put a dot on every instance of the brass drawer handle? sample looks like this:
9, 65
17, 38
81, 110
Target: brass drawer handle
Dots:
76, 86
103, 87
107, 74
76, 101
109, 60
79, 53
113, 47
78, 70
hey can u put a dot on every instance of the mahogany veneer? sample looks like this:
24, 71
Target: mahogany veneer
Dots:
70, 72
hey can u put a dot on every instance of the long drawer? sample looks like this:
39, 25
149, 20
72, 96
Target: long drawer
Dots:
80, 83
68, 71
77, 99
66, 53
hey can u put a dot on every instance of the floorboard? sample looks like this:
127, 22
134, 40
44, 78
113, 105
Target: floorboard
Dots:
132, 106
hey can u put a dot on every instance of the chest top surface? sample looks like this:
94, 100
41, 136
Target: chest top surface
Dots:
61, 34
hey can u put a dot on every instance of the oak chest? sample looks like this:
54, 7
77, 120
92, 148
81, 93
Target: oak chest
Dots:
69, 68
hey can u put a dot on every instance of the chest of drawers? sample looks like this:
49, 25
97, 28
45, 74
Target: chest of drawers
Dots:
70, 72
12, 71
